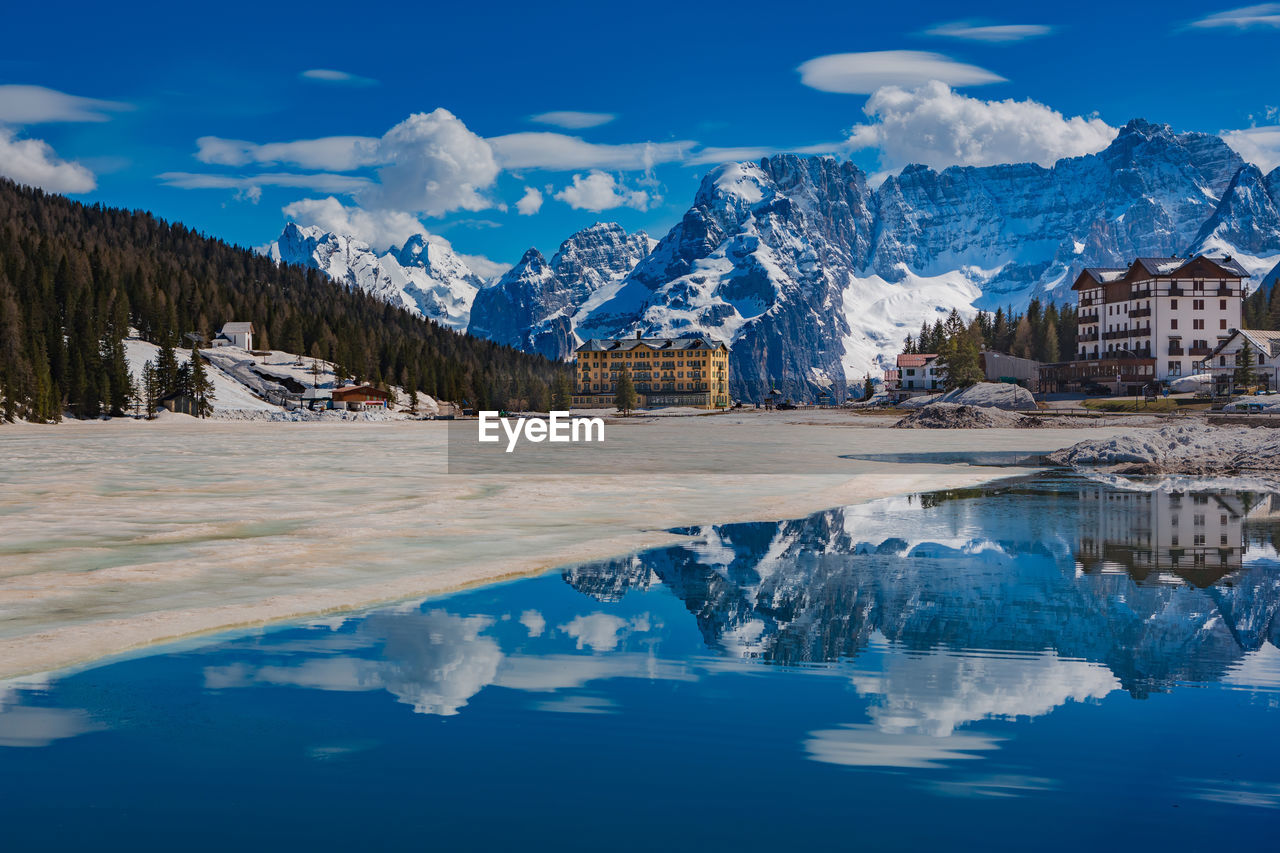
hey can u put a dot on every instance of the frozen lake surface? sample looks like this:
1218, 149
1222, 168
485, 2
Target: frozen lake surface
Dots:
117, 535
1044, 663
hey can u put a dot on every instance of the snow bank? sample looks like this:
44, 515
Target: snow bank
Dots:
1191, 384
1191, 450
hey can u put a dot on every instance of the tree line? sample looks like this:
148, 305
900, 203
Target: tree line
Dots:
74, 278
1044, 333
1262, 309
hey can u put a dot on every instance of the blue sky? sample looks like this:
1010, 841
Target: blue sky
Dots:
435, 116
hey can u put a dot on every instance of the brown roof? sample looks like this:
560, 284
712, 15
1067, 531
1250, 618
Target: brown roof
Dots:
914, 359
1144, 268
361, 389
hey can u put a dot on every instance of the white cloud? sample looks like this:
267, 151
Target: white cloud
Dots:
332, 153
1246, 17
559, 152
938, 127
37, 727
994, 33
1259, 145
434, 164
482, 266
533, 622
34, 162
329, 75
599, 191
599, 632
430, 163
572, 119
38, 105
378, 228
529, 203
715, 156
320, 182
867, 746
864, 73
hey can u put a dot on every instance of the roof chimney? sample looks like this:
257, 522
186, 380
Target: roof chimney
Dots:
637, 334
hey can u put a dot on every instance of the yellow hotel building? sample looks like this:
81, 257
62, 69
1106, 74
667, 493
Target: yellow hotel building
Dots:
691, 371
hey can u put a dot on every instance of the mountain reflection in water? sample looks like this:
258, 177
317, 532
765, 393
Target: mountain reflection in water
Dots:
1158, 586
1000, 656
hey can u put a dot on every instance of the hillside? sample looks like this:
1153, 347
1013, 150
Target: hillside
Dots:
74, 278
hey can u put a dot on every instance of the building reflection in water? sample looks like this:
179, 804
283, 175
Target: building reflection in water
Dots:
1197, 537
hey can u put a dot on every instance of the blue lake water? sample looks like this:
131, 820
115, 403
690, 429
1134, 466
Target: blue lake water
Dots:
1047, 664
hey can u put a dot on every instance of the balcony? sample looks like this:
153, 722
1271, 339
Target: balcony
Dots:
1201, 351
1177, 291
1176, 350
1087, 318
1141, 312
1121, 334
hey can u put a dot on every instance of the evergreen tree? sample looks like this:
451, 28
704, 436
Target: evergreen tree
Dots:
1244, 376
151, 388
167, 367
624, 398
199, 385
868, 388
1023, 343
1049, 346
562, 392
958, 357
999, 332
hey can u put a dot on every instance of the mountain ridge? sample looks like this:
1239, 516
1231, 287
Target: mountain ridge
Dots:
814, 276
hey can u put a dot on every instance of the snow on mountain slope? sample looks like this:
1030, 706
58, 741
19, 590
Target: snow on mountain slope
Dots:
814, 278
536, 305
425, 276
1246, 223
228, 394
881, 314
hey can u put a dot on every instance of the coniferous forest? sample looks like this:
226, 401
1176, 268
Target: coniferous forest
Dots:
1043, 333
74, 278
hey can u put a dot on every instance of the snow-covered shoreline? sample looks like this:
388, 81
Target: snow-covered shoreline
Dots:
1190, 450
125, 537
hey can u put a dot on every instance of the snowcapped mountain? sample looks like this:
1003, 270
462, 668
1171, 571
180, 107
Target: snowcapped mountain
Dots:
815, 277
535, 306
425, 277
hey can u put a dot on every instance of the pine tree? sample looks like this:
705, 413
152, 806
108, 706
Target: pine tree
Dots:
562, 392
201, 386
151, 388
1244, 376
1049, 346
624, 397
958, 357
1023, 343
167, 366
868, 388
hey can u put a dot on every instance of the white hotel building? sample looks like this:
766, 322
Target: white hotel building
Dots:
1151, 321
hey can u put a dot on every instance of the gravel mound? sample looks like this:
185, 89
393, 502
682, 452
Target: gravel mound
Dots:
1193, 450
954, 416
989, 395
